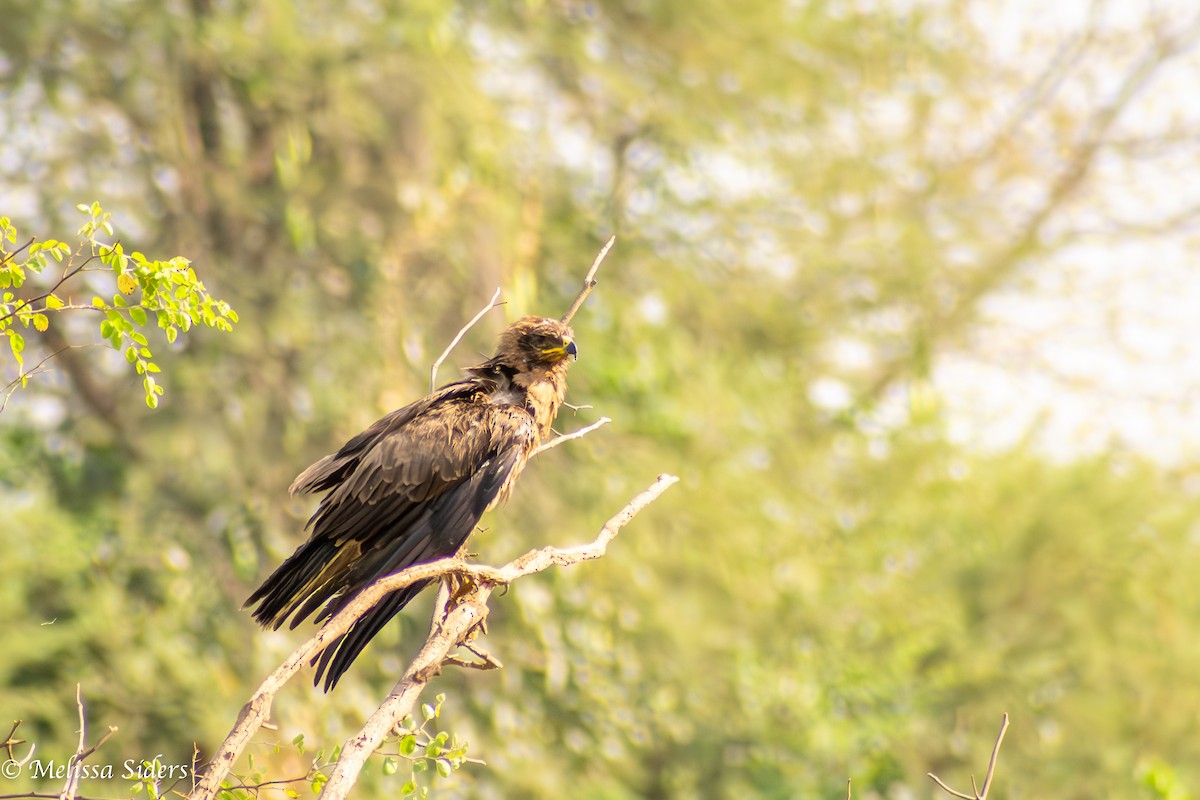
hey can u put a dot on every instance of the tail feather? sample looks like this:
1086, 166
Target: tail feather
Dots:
335, 659
306, 573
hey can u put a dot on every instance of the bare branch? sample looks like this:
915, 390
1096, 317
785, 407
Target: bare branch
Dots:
486, 661
19, 381
977, 793
445, 635
433, 371
946, 788
589, 281
81, 754
566, 437
987, 779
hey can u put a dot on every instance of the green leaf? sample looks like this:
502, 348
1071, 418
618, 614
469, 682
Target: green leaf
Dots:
138, 315
444, 768
53, 302
17, 342
41, 322
408, 745
390, 765
427, 711
408, 788
172, 334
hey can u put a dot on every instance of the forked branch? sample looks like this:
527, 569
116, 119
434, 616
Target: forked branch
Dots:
452, 630
978, 793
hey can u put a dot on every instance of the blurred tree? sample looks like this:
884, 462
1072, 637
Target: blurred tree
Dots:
813, 201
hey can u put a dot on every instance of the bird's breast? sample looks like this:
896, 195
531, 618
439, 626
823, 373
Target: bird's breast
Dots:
509, 396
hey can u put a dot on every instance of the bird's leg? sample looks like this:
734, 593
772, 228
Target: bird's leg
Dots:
460, 587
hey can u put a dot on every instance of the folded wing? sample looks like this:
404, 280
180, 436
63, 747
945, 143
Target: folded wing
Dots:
407, 490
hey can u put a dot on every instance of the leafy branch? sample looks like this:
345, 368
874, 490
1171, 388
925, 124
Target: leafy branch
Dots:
167, 290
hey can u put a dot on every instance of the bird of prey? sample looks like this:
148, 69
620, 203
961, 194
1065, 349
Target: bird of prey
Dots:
411, 488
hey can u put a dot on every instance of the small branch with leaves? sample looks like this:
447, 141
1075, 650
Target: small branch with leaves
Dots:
167, 291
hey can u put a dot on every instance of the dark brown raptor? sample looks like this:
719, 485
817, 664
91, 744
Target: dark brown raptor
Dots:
411, 488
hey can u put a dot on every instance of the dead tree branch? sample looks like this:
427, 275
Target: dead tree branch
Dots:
589, 281
457, 626
433, 371
71, 787
978, 793
444, 637
566, 437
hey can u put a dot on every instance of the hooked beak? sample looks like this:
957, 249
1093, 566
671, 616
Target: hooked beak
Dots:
572, 350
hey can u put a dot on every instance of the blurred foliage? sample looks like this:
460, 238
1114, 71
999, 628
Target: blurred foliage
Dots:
812, 199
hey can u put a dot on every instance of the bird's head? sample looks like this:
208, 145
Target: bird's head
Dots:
534, 342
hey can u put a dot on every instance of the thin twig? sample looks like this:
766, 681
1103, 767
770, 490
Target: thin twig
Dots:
987, 779
433, 371
566, 437
589, 282
81, 754
16, 382
68, 273
946, 788
486, 661
13, 254
977, 793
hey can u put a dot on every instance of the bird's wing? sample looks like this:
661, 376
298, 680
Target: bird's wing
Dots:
409, 489
414, 462
333, 469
